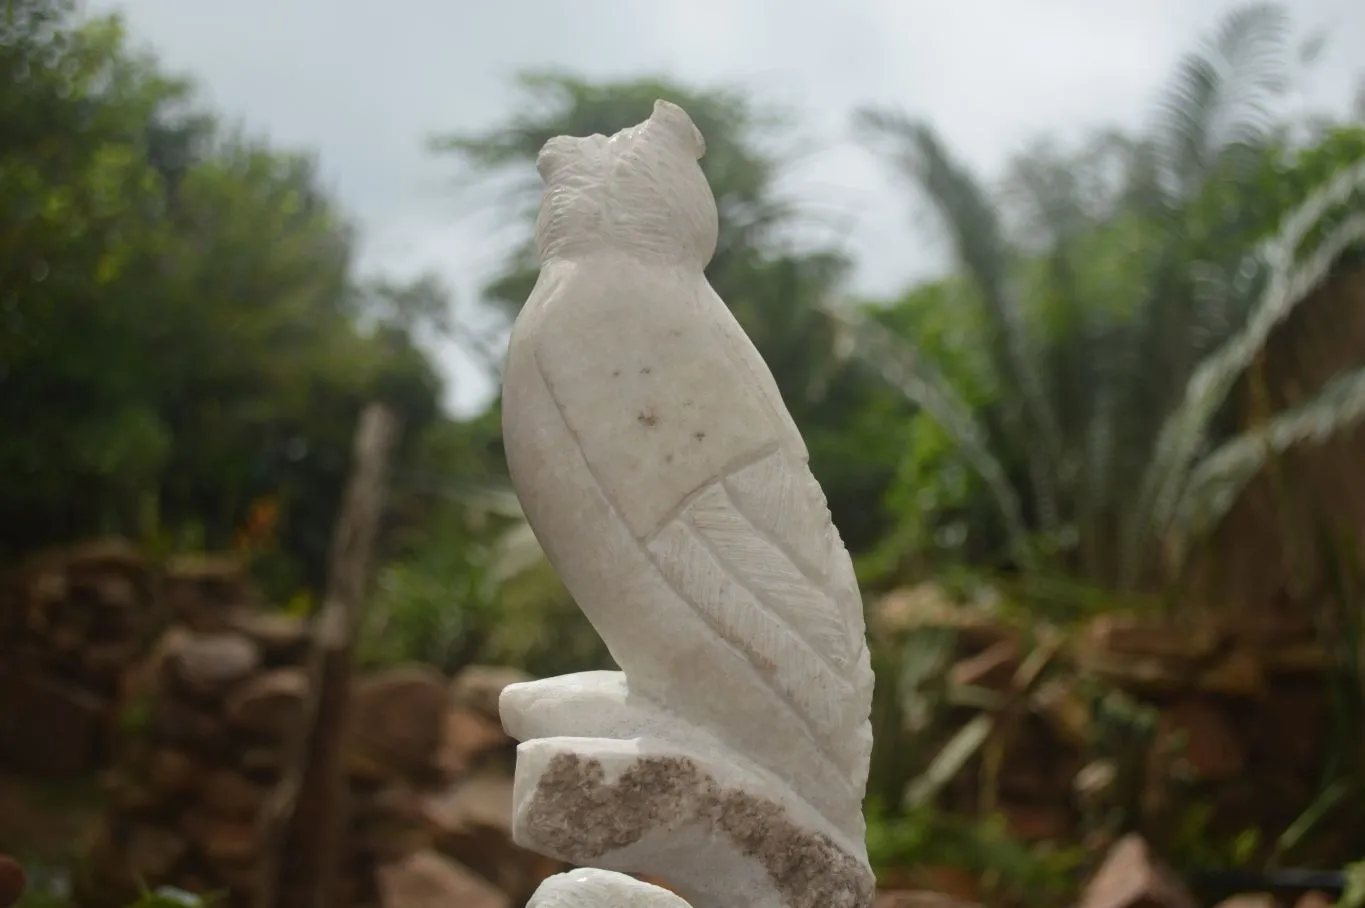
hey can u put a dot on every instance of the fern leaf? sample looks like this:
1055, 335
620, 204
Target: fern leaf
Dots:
902, 367
979, 244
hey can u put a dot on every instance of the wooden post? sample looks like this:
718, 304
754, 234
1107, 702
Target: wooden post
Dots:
303, 825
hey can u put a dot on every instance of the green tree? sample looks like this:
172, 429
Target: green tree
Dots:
181, 330
1119, 291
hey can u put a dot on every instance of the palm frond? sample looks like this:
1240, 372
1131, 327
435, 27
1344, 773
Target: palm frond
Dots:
1047, 188
981, 248
1218, 480
1222, 94
902, 367
1064, 198
1289, 282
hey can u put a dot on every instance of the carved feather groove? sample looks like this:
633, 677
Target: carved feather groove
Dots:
766, 576
787, 505
770, 576
771, 494
781, 658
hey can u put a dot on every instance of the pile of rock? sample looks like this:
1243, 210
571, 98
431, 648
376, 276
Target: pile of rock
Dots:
1228, 718
207, 721
71, 622
471, 819
207, 718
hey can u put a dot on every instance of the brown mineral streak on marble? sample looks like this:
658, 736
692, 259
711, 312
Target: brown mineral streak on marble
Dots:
575, 814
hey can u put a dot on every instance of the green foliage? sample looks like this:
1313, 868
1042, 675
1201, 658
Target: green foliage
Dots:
438, 603
1116, 291
181, 331
1354, 894
1195, 845
1009, 869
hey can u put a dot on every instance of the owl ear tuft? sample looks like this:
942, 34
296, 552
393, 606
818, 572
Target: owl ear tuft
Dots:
554, 155
680, 126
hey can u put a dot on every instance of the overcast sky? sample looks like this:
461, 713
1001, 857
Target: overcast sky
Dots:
363, 83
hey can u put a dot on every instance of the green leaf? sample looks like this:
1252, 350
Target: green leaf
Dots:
949, 762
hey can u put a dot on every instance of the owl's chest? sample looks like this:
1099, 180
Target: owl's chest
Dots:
646, 382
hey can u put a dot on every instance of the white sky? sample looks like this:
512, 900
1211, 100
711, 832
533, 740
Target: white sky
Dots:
363, 83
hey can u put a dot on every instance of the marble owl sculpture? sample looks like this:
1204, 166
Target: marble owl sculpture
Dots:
669, 487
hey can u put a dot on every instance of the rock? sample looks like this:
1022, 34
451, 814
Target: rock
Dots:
427, 880
1314, 899
208, 664
203, 590
143, 679
151, 852
397, 720
478, 687
1095, 782
185, 726
1064, 711
270, 705
928, 605
1145, 675
390, 823
592, 888
129, 798
909, 898
1037, 822
228, 841
106, 867
472, 823
262, 761
104, 662
283, 639
467, 737
173, 771
229, 794
1132, 877
113, 555
1143, 658
49, 727
1304, 658
993, 668
1122, 635
957, 882
1238, 673
1266, 628
1212, 746
1250, 900
116, 592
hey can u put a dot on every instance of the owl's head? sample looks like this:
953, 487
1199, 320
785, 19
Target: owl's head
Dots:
640, 192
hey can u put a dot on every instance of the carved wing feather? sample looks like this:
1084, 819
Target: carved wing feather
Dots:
785, 502
759, 559
769, 574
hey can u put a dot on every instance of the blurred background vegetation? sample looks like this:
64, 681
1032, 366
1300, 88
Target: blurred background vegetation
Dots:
1075, 418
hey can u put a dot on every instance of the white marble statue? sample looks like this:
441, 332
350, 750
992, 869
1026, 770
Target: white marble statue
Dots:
669, 487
